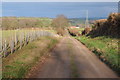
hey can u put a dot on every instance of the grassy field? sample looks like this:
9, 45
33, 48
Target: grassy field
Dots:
9, 23
18, 64
6, 34
105, 48
9, 33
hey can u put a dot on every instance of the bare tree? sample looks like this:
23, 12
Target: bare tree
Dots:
60, 22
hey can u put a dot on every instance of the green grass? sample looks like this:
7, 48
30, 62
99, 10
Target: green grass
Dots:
80, 30
18, 64
105, 48
9, 33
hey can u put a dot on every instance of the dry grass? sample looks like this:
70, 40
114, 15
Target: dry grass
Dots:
18, 64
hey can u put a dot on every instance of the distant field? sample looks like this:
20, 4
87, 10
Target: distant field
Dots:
9, 23
9, 33
77, 21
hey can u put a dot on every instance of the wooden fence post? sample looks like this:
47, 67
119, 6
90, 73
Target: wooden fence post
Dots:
21, 38
4, 48
12, 45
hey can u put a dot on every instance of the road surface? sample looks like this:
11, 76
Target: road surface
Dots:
71, 59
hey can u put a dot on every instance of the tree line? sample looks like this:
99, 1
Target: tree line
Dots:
9, 23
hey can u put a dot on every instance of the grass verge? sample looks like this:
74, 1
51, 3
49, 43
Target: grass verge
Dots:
105, 48
18, 64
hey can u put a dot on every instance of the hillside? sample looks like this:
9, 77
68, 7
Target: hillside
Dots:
107, 27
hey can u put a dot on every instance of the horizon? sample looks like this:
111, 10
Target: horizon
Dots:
55, 17
52, 9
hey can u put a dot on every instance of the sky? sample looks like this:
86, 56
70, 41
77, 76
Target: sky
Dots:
51, 9
60, 0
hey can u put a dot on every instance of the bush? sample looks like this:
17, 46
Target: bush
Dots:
60, 31
74, 32
86, 30
107, 27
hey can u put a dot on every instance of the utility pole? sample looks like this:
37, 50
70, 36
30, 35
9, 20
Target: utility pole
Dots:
86, 22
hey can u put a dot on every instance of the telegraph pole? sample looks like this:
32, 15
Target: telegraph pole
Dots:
86, 22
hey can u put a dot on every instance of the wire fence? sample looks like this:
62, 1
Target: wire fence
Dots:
15, 39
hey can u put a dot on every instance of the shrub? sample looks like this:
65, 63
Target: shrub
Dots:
74, 32
60, 31
107, 27
86, 30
